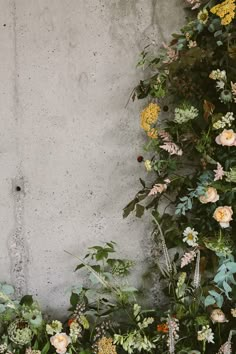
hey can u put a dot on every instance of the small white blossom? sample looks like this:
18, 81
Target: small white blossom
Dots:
190, 236
225, 121
218, 75
206, 334
220, 85
185, 114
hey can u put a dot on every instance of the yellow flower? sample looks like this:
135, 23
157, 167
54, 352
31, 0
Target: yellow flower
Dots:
148, 165
225, 10
105, 346
149, 116
152, 133
203, 16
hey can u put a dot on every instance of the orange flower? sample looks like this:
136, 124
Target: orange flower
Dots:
70, 321
163, 327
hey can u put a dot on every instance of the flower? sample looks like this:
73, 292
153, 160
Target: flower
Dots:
152, 133
148, 165
205, 334
105, 346
218, 316
185, 114
190, 236
75, 331
54, 327
203, 16
163, 327
210, 196
172, 148
218, 75
225, 10
149, 116
60, 341
233, 90
194, 3
219, 172
223, 215
187, 258
159, 188
192, 44
233, 312
32, 351
226, 96
226, 138
225, 121
19, 332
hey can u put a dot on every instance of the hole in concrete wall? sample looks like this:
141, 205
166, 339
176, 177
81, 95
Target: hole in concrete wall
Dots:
18, 188
165, 108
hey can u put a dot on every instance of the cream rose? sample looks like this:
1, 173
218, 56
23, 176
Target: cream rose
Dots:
226, 138
218, 316
60, 341
211, 196
223, 215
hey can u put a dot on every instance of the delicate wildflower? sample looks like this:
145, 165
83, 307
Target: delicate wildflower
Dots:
225, 10
148, 165
106, 346
163, 328
187, 258
194, 3
218, 316
225, 121
220, 85
203, 16
60, 341
185, 114
149, 116
172, 54
206, 334
190, 236
192, 44
172, 148
223, 215
32, 351
159, 188
226, 138
210, 196
218, 75
173, 324
219, 172
152, 133
233, 312
197, 275
226, 348
75, 331
233, 90
54, 327
226, 96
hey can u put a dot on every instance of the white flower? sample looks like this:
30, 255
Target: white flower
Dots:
220, 85
206, 334
190, 236
184, 114
60, 341
225, 121
218, 75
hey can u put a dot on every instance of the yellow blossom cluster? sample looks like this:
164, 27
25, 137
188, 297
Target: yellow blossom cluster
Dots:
149, 116
106, 346
225, 10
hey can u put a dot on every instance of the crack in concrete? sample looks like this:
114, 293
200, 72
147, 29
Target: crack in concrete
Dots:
16, 243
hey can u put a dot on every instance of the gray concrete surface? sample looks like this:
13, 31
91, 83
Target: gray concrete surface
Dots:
66, 139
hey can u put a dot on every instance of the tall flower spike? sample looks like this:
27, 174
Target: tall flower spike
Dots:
226, 348
197, 276
164, 247
171, 339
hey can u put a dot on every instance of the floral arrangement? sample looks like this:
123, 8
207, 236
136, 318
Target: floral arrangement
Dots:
190, 128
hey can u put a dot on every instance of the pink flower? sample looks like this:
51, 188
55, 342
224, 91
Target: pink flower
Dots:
219, 172
211, 196
187, 258
60, 341
226, 138
159, 188
218, 316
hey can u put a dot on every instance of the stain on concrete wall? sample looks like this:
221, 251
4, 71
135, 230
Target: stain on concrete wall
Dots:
67, 69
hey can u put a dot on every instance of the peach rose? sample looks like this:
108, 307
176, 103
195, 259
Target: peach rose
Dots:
226, 138
211, 196
60, 341
218, 316
223, 215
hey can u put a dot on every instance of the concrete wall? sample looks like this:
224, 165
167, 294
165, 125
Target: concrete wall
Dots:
68, 145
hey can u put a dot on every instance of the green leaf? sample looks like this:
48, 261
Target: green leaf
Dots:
209, 300
7, 289
139, 210
46, 348
79, 267
2, 308
74, 298
27, 300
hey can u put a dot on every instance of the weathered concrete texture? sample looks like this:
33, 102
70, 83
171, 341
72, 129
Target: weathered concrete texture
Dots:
67, 69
